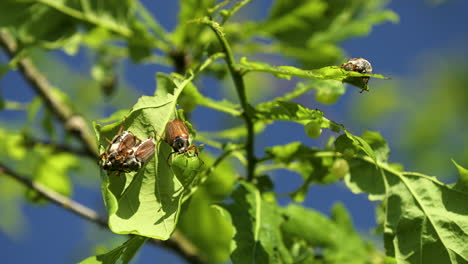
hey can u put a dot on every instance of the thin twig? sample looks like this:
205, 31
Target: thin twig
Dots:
177, 243
240, 88
73, 122
29, 142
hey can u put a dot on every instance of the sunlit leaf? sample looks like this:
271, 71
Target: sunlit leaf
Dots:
12, 221
414, 202
286, 111
234, 133
187, 169
147, 202
435, 215
325, 73
52, 170
122, 254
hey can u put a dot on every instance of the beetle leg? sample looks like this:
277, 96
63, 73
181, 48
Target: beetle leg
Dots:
174, 152
102, 156
194, 148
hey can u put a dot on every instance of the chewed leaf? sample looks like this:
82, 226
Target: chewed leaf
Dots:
325, 73
435, 213
187, 169
286, 111
425, 220
146, 202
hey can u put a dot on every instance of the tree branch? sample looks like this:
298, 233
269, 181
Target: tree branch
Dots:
177, 243
30, 142
73, 122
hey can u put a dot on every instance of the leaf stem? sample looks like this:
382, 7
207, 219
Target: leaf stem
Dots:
119, 29
240, 88
234, 10
206, 102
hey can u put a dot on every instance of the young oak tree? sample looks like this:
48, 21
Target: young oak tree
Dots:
220, 204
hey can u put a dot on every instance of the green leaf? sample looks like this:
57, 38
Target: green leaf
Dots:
3, 70
60, 24
329, 91
48, 124
206, 228
425, 220
234, 133
35, 22
51, 171
362, 144
201, 221
336, 236
12, 145
187, 170
314, 167
463, 179
286, 111
141, 43
147, 202
11, 197
257, 237
365, 177
378, 145
122, 254
185, 32
325, 73
191, 97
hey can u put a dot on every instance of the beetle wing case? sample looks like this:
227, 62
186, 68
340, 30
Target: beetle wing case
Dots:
128, 142
176, 128
145, 150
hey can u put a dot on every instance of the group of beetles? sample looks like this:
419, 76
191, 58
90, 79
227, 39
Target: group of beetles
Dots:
127, 153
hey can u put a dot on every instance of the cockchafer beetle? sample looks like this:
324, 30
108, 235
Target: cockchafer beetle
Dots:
177, 136
140, 154
126, 152
360, 65
119, 148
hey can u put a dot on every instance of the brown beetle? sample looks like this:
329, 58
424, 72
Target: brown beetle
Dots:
177, 136
140, 154
120, 147
360, 65
126, 152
